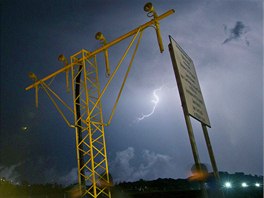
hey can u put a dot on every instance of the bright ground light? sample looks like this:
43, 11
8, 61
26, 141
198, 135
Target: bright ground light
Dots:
257, 184
244, 185
228, 185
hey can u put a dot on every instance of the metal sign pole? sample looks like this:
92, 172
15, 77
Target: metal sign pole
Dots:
194, 149
210, 151
212, 159
192, 141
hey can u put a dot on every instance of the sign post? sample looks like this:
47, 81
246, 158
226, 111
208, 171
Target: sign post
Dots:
192, 100
210, 151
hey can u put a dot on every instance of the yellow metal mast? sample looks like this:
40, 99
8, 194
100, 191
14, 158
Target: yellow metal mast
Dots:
93, 173
91, 147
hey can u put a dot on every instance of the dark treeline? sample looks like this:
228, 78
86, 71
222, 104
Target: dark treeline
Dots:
186, 188
155, 189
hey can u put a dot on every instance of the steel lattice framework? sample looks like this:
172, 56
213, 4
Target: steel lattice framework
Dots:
93, 174
91, 147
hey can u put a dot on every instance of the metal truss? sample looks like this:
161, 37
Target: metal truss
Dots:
90, 145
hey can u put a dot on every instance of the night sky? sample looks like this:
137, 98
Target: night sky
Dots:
224, 40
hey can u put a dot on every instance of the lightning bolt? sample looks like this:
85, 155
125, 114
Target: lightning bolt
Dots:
155, 102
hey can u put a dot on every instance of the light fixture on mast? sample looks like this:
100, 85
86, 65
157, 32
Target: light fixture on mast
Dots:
150, 9
99, 36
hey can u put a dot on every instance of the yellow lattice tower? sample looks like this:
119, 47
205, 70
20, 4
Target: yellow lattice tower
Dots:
91, 148
93, 173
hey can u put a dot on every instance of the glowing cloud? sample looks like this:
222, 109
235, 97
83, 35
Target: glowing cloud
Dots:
155, 102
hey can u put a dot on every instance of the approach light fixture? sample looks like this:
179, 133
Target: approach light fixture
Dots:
148, 7
228, 185
62, 58
99, 36
150, 10
257, 184
32, 76
244, 185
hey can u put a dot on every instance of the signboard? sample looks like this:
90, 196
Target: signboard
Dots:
189, 88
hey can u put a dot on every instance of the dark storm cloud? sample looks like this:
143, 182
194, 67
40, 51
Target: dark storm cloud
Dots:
237, 32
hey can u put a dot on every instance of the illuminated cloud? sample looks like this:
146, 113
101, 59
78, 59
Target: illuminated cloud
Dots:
9, 172
153, 165
122, 164
70, 177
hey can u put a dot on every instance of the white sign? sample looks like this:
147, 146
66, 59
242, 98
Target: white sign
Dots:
188, 84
